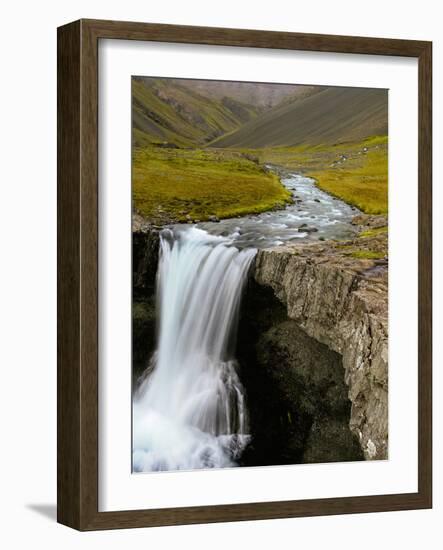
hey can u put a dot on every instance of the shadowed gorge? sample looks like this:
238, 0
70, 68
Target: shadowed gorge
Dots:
297, 398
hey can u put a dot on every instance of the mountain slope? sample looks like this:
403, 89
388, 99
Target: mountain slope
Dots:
333, 115
166, 111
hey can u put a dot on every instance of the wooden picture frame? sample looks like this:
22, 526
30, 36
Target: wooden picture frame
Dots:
78, 274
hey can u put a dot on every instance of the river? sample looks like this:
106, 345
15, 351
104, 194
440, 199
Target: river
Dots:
312, 209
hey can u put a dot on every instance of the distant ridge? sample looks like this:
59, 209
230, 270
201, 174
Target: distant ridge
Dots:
261, 95
333, 115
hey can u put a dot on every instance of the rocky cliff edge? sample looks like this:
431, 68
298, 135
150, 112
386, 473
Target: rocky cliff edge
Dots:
340, 298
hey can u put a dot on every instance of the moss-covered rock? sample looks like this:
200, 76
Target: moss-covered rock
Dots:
143, 334
330, 440
145, 250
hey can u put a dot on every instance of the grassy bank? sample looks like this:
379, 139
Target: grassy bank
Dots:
193, 184
354, 172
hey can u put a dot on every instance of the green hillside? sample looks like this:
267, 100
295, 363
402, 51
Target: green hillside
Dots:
333, 115
180, 185
356, 172
167, 112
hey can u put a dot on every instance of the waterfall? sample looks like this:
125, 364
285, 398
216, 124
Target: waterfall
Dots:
189, 411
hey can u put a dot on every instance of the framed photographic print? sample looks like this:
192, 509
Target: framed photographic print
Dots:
244, 275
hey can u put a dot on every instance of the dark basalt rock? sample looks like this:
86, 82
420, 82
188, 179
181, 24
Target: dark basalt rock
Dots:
305, 229
145, 248
330, 440
143, 335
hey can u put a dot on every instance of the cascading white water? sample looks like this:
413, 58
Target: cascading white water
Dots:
189, 412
